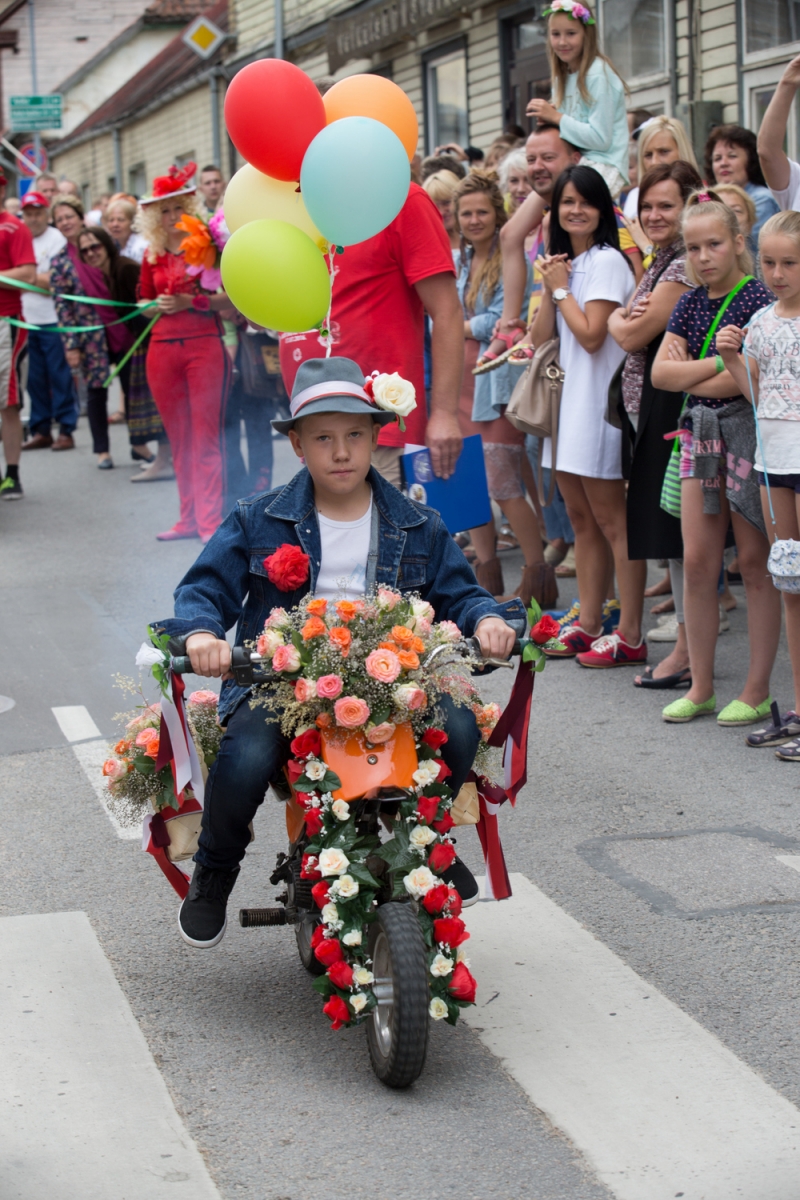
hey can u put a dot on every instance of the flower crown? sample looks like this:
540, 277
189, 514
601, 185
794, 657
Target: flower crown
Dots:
576, 12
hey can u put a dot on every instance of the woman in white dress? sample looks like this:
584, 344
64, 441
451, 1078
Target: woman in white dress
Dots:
586, 277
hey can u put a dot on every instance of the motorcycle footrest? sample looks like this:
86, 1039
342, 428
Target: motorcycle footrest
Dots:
249, 918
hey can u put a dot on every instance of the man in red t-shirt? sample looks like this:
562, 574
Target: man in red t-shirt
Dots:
382, 289
17, 261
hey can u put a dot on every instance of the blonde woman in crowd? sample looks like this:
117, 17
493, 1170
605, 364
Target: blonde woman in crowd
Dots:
118, 220
663, 140
513, 179
442, 188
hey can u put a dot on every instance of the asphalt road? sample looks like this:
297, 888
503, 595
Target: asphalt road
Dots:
706, 912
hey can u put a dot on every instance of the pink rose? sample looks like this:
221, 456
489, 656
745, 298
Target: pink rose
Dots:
205, 697
383, 665
268, 643
422, 627
277, 619
304, 689
286, 658
329, 687
388, 599
449, 631
146, 737
409, 696
378, 734
351, 712
114, 769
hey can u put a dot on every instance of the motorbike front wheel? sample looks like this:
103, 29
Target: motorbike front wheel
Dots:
397, 1033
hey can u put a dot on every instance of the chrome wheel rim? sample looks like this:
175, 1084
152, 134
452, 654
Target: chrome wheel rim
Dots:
383, 1013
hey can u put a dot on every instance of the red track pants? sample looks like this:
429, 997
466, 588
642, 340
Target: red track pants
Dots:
189, 379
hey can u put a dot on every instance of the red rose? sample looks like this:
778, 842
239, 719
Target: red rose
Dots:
427, 807
303, 798
308, 869
454, 902
306, 743
435, 738
294, 770
341, 975
463, 985
445, 824
329, 952
317, 936
435, 900
313, 821
545, 629
444, 771
287, 568
441, 857
337, 1010
320, 893
450, 930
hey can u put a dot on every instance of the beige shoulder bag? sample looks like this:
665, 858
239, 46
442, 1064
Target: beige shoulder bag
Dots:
535, 402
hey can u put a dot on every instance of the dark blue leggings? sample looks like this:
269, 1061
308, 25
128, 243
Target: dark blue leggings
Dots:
252, 753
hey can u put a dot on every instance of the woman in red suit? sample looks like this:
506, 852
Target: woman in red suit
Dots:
188, 367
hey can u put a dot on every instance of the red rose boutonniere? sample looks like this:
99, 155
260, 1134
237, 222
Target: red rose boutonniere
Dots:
287, 568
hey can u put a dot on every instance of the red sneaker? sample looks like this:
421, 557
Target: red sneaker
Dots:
612, 651
574, 639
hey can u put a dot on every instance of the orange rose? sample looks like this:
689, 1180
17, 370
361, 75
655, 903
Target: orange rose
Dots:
313, 627
417, 645
346, 610
340, 636
408, 660
323, 720
388, 646
316, 607
403, 636
122, 747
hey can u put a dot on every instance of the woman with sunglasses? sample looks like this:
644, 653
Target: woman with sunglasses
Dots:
120, 279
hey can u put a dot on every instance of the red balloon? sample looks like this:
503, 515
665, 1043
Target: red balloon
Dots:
273, 111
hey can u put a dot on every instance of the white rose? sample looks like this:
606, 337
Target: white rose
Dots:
422, 610
421, 836
394, 394
441, 965
362, 976
341, 810
419, 881
268, 642
437, 1008
461, 956
426, 773
357, 1002
330, 914
449, 631
353, 938
315, 769
333, 862
345, 887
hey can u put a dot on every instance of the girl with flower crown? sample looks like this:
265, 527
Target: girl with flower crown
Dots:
588, 102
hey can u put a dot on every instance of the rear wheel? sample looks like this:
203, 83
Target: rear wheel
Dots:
397, 1033
298, 896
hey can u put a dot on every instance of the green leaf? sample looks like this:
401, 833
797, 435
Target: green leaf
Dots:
531, 653
541, 664
362, 876
144, 765
379, 715
331, 783
534, 612
323, 985
453, 1011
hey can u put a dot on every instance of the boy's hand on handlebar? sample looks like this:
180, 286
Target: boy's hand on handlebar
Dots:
209, 655
495, 637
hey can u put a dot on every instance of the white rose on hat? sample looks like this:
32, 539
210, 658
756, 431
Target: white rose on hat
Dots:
393, 394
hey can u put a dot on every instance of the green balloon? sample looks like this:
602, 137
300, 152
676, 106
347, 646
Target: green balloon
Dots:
276, 276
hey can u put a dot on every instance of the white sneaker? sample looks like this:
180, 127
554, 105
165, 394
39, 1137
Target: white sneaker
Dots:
666, 630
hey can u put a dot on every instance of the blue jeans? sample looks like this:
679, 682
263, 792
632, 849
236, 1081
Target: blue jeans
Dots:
556, 521
251, 755
50, 384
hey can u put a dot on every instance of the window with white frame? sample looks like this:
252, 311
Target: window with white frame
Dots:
770, 23
760, 87
447, 116
634, 37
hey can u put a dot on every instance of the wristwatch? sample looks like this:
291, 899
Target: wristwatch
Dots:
560, 294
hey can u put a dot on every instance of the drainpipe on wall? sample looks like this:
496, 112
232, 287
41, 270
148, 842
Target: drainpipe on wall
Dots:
117, 143
277, 51
216, 138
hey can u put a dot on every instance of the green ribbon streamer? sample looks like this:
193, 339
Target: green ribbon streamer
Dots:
116, 370
30, 287
75, 328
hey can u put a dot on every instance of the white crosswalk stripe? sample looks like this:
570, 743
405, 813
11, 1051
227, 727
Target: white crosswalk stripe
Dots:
658, 1106
76, 723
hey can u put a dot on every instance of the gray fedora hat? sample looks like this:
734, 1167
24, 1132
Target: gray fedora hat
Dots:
325, 385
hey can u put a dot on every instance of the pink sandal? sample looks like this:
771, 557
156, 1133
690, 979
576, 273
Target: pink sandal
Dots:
490, 362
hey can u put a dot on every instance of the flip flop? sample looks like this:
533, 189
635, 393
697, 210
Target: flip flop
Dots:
521, 354
677, 679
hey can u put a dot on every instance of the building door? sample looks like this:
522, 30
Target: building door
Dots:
526, 70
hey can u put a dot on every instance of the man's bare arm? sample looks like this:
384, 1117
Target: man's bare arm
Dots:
442, 435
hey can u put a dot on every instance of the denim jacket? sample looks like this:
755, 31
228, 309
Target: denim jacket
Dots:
411, 550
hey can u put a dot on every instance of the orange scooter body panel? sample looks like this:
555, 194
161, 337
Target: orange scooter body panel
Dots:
363, 768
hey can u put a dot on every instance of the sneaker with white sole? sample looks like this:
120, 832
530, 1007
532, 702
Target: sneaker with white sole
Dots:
203, 918
665, 631
613, 651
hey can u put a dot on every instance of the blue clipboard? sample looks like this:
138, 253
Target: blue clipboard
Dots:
463, 499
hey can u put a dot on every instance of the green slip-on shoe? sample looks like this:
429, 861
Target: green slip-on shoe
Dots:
683, 710
739, 713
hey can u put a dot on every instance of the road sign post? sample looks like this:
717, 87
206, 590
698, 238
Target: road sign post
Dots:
30, 114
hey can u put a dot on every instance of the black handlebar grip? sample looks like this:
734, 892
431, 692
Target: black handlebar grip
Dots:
182, 665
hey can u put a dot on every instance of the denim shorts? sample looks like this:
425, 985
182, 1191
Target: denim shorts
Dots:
780, 481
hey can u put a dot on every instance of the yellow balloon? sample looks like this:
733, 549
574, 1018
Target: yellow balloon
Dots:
276, 276
253, 196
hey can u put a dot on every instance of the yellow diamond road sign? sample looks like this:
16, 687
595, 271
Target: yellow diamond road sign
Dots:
203, 36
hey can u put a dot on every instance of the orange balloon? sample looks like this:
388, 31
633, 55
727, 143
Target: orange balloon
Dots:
376, 97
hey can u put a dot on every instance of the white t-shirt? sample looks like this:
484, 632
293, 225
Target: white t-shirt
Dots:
343, 563
789, 197
775, 344
587, 444
631, 206
134, 247
41, 310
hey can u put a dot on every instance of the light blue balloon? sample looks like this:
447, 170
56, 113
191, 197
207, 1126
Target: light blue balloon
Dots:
354, 179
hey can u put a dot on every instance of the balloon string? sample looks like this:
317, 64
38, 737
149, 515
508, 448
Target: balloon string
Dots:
332, 273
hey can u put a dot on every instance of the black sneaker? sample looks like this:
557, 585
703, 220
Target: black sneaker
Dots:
11, 489
202, 919
461, 878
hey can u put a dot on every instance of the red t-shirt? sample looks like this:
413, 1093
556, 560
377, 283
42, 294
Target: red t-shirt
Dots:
16, 250
168, 274
377, 317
